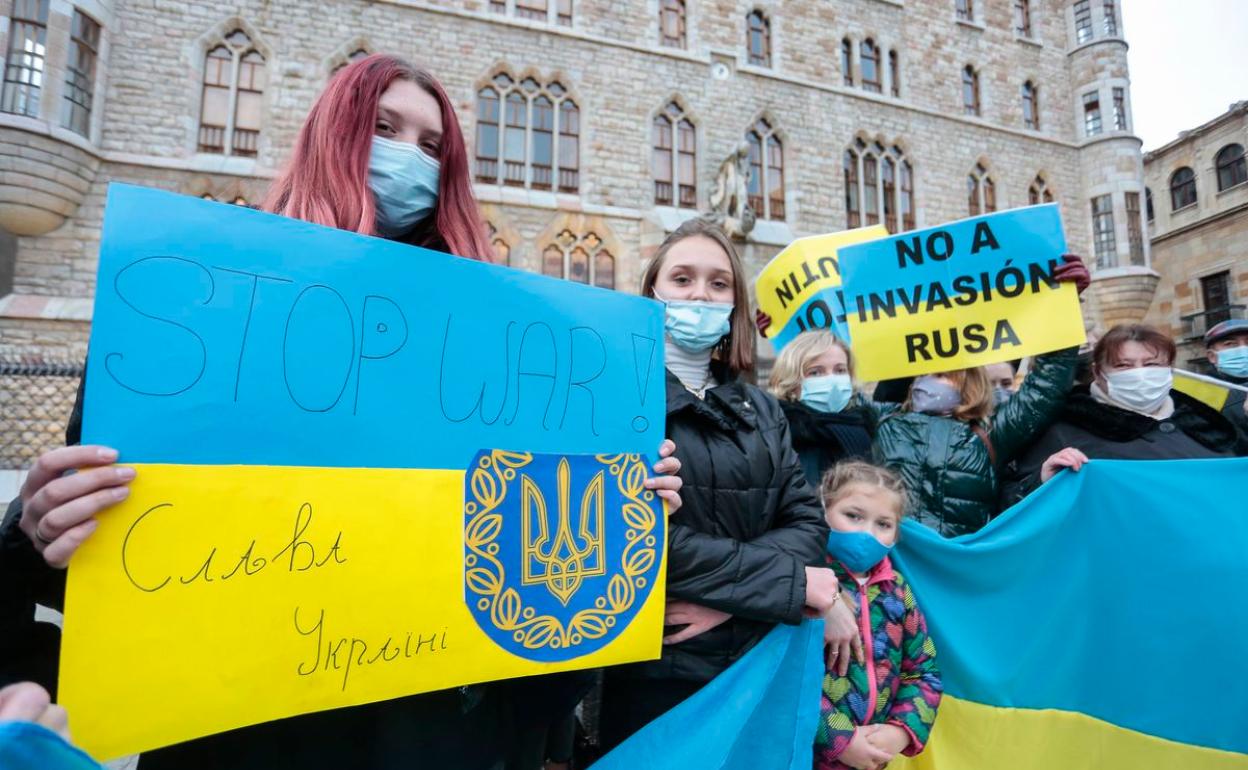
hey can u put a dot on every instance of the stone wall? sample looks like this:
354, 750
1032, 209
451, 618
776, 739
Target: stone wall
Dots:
149, 87
1199, 240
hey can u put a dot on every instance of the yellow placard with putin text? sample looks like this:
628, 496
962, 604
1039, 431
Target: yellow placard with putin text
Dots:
800, 287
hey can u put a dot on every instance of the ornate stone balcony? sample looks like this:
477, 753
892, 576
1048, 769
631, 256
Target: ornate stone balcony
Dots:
45, 173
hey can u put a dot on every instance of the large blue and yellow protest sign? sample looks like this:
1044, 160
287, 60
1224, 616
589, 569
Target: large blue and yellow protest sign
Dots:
1094, 626
800, 287
965, 294
365, 470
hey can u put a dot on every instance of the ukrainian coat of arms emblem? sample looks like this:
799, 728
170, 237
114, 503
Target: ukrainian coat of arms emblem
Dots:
560, 551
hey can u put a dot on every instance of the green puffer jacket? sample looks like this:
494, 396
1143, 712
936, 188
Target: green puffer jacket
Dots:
946, 466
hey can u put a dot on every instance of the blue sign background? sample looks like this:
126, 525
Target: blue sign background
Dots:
275, 341
1027, 236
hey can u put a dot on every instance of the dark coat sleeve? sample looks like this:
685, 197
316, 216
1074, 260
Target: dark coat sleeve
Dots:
752, 581
1022, 477
765, 578
800, 529
29, 650
1036, 405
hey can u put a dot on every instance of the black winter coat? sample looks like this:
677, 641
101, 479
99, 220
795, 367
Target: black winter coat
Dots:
948, 470
1102, 431
823, 440
1236, 410
749, 525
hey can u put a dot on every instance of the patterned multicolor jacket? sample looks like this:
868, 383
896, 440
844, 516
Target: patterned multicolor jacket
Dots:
903, 682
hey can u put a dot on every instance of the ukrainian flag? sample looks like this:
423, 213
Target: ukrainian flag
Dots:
1101, 623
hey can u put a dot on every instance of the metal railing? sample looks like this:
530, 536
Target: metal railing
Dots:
1196, 324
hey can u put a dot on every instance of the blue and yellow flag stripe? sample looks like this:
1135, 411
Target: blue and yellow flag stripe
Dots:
1095, 621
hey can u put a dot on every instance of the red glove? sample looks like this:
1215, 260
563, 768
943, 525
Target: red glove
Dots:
763, 321
1074, 271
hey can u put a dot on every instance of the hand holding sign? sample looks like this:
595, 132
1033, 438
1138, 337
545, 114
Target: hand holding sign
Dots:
970, 293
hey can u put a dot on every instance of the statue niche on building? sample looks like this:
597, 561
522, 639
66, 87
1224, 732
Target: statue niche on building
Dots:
730, 200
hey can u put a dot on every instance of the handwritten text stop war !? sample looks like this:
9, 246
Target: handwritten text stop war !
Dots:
330, 347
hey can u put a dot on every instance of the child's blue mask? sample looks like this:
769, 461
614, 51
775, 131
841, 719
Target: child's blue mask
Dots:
858, 551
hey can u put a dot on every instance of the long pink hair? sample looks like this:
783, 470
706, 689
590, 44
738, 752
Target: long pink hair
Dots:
326, 181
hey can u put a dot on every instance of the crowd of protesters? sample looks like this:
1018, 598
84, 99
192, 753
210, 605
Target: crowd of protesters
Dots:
784, 501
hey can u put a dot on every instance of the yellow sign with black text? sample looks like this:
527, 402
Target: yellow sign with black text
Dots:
969, 293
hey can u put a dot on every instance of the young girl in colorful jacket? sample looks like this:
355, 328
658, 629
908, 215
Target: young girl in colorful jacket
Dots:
886, 707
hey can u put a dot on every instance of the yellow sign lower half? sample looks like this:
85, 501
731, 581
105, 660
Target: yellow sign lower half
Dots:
943, 339
221, 596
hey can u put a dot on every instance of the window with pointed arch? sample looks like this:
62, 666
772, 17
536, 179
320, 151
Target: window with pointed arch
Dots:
970, 90
352, 58
672, 23
580, 258
1038, 191
981, 191
758, 38
894, 74
674, 158
1031, 106
528, 134
879, 186
1231, 167
869, 55
502, 249
766, 184
231, 109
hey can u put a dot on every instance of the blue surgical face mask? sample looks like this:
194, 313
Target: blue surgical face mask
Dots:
404, 181
829, 393
696, 326
858, 551
1234, 361
932, 396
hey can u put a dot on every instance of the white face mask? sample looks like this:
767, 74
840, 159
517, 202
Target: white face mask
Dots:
1143, 389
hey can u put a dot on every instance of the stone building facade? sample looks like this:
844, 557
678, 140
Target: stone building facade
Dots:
1198, 224
596, 125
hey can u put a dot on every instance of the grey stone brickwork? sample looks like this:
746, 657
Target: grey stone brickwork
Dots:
1201, 240
149, 85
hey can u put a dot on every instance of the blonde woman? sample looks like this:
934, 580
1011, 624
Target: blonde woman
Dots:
814, 380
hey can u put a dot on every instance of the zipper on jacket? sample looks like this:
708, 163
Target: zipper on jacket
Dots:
868, 651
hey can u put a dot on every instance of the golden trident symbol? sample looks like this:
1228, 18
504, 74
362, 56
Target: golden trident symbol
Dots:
563, 562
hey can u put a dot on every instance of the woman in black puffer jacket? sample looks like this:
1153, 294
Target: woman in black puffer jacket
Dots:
742, 546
